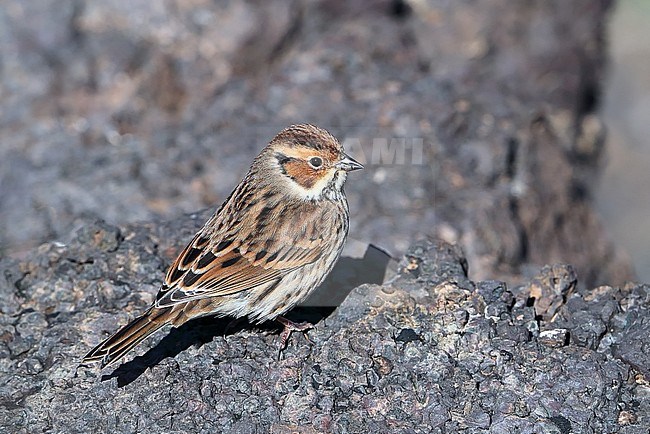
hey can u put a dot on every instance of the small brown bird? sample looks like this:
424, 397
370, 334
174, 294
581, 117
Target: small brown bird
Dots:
271, 243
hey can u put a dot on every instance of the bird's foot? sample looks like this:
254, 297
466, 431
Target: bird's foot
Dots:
290, 327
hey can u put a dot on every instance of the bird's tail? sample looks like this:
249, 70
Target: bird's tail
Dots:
128, 337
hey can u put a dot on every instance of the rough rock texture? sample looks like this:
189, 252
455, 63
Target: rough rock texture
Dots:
132, 109
431, 351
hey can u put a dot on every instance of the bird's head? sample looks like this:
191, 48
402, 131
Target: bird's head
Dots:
310, 161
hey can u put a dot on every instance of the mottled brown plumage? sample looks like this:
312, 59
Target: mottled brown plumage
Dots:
271, 243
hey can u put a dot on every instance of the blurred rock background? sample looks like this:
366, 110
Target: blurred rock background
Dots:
144, 110
623, 196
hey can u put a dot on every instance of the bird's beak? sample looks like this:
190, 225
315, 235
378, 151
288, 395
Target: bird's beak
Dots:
348, 164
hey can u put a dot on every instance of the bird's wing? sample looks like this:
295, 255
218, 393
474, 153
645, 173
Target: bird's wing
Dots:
233, 261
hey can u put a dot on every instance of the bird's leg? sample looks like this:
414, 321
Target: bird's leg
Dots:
290, 327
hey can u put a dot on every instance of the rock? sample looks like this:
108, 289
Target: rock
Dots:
551, 289
458, 352
554, 338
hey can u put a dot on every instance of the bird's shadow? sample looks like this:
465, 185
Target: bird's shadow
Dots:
348, 273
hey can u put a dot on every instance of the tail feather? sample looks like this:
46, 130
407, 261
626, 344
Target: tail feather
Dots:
128, 337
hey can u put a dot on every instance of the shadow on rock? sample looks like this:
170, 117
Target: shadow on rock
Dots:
198, 331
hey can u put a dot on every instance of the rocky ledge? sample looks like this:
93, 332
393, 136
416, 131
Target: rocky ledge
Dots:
429, 350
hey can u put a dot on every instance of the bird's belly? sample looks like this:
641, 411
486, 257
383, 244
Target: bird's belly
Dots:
268, 302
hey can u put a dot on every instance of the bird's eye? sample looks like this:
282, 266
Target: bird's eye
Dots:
315, 162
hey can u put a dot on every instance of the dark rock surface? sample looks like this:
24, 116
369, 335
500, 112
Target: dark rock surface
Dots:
130, 112
429, 351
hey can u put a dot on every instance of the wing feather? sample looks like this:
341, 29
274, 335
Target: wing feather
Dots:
236, 259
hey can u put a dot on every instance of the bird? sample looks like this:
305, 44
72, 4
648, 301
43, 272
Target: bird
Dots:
267, 248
